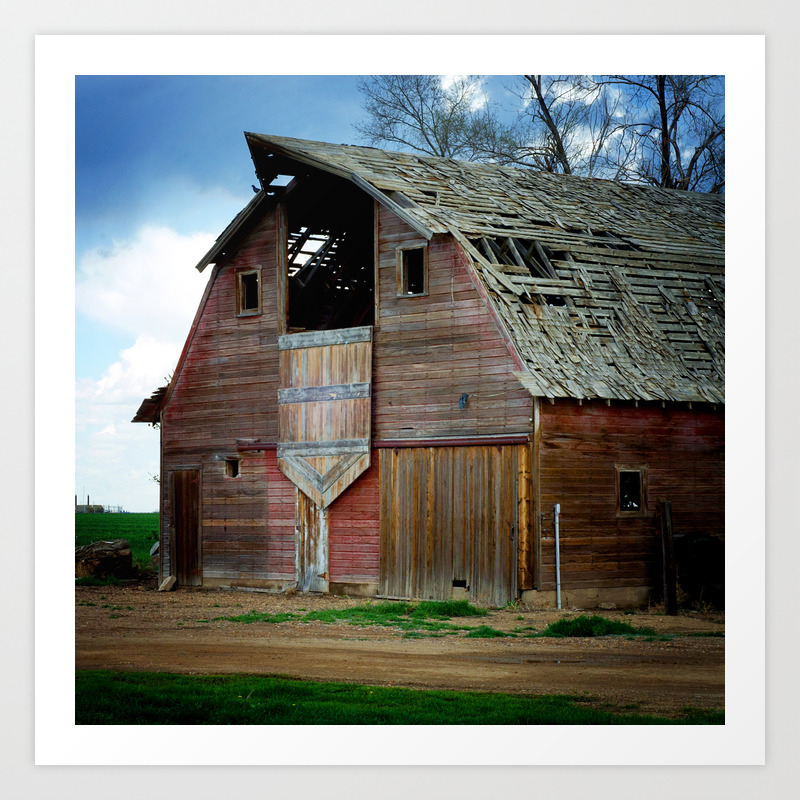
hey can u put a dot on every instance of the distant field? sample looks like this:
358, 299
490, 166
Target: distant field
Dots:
141, 531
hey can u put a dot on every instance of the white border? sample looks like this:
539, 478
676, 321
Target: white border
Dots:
60, 58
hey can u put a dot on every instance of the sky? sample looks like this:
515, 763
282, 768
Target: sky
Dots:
161, 167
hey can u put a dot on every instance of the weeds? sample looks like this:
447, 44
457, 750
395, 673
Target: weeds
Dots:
593, 626
485, 632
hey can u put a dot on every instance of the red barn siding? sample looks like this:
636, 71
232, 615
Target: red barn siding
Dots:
580, 446
430, 350
354, 529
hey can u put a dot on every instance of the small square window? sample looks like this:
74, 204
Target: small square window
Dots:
248, 293
232, 467
412, 271
631, 491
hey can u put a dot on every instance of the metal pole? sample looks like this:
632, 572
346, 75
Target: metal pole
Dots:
556, 512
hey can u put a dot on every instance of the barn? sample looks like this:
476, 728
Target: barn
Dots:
415, 377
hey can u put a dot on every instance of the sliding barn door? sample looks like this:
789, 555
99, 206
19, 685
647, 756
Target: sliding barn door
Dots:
449, 522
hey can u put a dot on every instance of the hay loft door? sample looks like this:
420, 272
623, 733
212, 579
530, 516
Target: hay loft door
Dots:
325, 410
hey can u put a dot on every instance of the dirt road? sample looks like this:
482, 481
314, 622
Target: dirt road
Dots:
136, 628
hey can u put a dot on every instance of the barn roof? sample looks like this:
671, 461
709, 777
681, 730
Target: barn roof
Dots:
607, 290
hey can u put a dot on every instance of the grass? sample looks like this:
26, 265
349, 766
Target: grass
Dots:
595, 625
104, 697
422, 616
141, 531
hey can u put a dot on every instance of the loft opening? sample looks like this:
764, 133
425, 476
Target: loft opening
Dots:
412, 271
631, 491
329, 255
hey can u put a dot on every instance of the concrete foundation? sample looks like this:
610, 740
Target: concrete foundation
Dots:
617, 597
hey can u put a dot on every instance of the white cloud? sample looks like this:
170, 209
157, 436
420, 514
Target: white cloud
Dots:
145, 287
472, 86
146, 284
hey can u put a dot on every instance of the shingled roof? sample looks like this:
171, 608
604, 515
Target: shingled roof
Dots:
607, 290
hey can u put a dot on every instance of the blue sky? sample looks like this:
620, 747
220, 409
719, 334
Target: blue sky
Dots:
161, 167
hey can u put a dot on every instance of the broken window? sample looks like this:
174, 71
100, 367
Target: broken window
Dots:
412, 271
631, 490
232, 467
248, 292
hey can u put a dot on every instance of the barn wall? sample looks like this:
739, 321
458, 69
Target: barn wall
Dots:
430, 350
682, 450
227, 390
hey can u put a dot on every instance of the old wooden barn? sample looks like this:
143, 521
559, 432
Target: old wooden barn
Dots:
402, 365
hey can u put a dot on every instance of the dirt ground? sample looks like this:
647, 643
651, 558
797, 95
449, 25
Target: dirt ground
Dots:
135, 628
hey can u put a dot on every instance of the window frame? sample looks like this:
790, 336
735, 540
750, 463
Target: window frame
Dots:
228, 462
402, 277
241, 292
641, 469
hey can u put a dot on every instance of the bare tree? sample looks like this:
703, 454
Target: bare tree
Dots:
676, 125
664, 130
432, 115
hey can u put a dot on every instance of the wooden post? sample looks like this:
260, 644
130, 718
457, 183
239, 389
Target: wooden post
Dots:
668, 561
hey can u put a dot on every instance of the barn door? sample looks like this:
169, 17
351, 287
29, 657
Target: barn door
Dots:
325, 410
449, 523
185, 549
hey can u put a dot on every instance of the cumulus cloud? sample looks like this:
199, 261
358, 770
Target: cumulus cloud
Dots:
145, 284
146, 288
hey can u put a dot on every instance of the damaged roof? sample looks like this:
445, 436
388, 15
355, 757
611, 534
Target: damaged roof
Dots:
607, 290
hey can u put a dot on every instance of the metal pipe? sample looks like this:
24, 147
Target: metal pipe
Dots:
556, 513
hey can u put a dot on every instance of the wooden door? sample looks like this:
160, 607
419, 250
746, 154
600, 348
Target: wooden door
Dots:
325, 410
311, 545
185, 549
450, 522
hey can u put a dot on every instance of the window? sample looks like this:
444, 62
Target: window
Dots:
631, 491
412, 271
248, 293
232, 467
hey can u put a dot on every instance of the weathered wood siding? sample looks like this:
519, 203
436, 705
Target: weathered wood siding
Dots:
354, 530
325, 410
431, 349
227, 390
449, 521
580, 447
427, 352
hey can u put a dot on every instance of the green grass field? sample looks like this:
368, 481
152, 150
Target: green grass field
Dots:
104, 697
141, 531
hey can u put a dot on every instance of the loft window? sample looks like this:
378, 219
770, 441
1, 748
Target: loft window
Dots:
412, 271
631, 491
232, 467
248, 293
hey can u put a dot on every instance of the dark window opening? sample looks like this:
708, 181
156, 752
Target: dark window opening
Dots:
232, 467
330, 257
248, 293
459, 583
413, 271
631, 490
